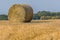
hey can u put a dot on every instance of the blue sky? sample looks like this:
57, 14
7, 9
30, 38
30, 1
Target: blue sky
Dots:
37, 5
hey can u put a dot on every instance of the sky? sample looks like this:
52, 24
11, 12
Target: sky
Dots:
37, 5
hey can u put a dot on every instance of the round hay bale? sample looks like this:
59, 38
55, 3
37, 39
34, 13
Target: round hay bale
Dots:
20, 13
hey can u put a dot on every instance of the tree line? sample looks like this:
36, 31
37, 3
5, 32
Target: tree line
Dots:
45, 15
3, 17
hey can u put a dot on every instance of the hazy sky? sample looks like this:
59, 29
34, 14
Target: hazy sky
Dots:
37, 5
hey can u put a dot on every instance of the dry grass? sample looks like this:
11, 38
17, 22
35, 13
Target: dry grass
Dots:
36, 30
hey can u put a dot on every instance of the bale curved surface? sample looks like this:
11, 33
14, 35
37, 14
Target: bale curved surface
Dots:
29, 12
20, 13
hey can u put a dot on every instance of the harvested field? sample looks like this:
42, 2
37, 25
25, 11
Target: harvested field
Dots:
36, 30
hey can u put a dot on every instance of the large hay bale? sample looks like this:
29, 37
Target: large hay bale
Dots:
20, 13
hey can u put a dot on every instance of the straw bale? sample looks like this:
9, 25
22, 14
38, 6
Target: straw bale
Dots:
20, 13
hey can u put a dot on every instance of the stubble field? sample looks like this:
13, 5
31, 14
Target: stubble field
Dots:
36, 30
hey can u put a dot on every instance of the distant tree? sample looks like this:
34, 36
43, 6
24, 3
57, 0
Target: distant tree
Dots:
53, 14
35, 17
3, 17
58, 14
44, 13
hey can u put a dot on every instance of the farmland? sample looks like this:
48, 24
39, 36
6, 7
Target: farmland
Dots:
36, 30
